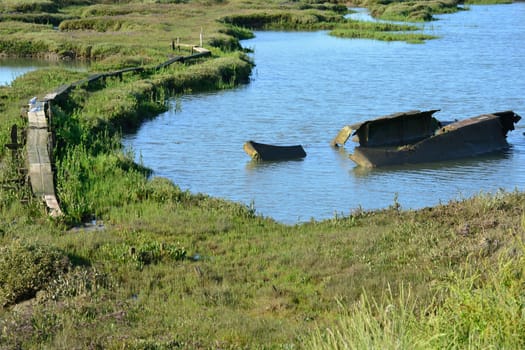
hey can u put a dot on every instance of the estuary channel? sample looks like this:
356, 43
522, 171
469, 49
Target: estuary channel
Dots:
307, 85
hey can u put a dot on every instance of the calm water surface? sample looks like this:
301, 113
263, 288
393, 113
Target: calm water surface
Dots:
306, 86
11, 68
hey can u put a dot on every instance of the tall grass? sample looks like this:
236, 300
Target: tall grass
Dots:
480, 307
391, 323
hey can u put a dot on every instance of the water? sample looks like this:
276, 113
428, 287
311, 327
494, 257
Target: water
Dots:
306, 86
11, 68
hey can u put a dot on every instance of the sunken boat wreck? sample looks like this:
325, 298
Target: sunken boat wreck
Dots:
265, 152
418, 137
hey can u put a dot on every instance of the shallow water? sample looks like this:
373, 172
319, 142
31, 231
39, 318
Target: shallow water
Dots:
306, 86
11, 68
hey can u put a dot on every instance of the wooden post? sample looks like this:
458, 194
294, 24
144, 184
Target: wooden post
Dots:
14, 142
14, 134
200, 36
49, 116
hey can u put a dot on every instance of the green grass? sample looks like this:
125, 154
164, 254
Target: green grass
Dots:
479, 307
163, 268
231, 278
411, 11
380, 31
110, 33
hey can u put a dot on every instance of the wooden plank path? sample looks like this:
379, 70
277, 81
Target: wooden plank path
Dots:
38, 133
38, 158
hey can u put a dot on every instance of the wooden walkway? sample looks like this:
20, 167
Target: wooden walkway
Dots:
39, 143
38, 157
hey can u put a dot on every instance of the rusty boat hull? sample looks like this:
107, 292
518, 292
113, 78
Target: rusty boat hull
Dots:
417, 137
265, 152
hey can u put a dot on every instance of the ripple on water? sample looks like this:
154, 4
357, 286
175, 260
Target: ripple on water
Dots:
306, 86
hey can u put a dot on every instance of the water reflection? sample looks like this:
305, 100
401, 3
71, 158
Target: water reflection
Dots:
360, 14
11, 68
457, 166
254, 165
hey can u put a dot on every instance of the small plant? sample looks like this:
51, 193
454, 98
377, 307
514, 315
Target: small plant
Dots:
143, 252
80, 280
26, 269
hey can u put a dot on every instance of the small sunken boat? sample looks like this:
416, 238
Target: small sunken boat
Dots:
265, 152
418, 137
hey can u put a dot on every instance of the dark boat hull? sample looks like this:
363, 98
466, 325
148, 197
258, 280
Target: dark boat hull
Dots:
265, 152
467, 138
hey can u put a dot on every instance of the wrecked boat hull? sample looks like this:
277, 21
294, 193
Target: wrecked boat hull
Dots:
265, 152
466, 138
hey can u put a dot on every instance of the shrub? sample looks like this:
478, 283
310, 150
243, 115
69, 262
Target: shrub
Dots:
26, 269
22, 48
163, 190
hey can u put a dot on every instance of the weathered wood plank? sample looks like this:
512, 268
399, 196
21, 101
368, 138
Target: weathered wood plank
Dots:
64, 89
37, 150
41, 178
52, 204
39, 164
37, 116
169, 62
201, 49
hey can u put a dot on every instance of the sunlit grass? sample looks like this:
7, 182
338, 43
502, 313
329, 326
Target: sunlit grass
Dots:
477, 308
414, 11
139, 263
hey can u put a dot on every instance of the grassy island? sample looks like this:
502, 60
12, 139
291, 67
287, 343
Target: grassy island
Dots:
137, 263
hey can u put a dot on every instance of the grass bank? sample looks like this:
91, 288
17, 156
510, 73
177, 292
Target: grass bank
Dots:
137, 263
163, 268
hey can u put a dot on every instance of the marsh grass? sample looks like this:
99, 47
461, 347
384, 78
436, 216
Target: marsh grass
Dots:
198, 271
337, 25
164, 268
291, 20
380, 31
115, 32
390, 323
478, 307
28, 6
412, 11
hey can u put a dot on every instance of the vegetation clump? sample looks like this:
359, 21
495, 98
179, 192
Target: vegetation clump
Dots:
380, 31
412, 11
26, 269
